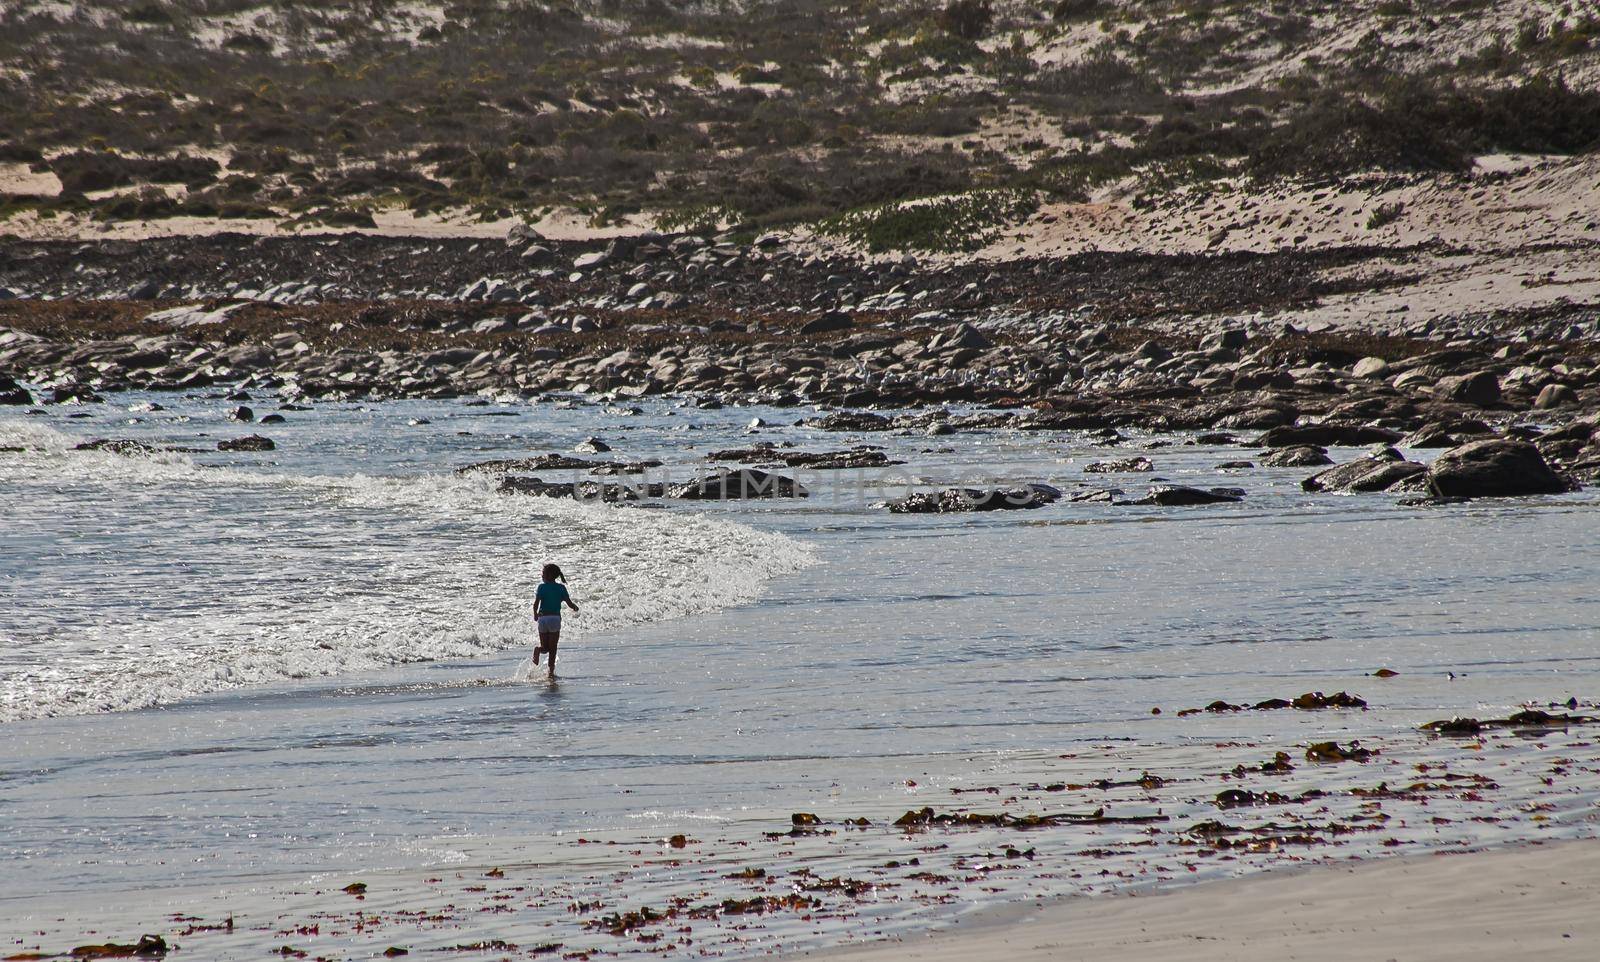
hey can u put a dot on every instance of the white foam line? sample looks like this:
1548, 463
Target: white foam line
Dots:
352, 574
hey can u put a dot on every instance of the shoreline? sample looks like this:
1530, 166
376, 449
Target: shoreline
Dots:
1522, 898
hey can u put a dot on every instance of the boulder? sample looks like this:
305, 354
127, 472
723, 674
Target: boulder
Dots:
1182, 496
745, 483
610, 492
1493, 468
13, 393
1377, 472
241, 413
1375, 368
591, 445
850, 421
1134, 465
1481, 389
1327, 435
250, 442
1227, 339
955, 500
827, 323
1550, 396
1297, 456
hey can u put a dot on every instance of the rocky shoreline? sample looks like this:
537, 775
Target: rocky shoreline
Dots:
1095, 342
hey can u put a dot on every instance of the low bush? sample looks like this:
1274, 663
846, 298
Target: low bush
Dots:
965, 222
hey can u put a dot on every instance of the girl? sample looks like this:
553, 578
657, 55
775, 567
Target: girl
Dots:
547, 612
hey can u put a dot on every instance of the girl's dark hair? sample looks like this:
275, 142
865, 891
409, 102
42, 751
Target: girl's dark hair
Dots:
553, 573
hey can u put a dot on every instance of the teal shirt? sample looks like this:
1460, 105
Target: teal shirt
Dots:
549, 598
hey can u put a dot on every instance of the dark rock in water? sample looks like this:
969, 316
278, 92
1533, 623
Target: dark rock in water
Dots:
1297, 456
1327, 435
273, 419
1481, 389
117, 446
1182, 496
592, 446
1215, 438
579, 490
1134, 465
1493, 468
861, 457
250, 442
1378, 472
953, 500
1258, 418
68, 393
624, 467
1445, 434
241, 413
544, 462
1096, 496
741, 484
13, 393
1235, 465
850, 421
828, 323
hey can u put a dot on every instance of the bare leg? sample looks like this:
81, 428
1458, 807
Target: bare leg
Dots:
546, 643
550, 646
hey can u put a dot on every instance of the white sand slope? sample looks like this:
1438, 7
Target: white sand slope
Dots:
1539, 901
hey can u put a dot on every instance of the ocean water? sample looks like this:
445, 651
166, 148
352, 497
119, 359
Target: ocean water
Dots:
224, 667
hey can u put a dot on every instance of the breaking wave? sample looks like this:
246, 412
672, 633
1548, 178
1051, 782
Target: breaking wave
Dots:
127, 582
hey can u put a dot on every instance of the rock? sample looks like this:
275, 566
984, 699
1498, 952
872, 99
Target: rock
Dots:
591, 445
579, 490
860, 457
954, 500
1375, 368
961, 336
1228, 339
522, 233
849, 421
1327, 435
250, 442
273, 419
1550, 396
1182, 496
1235, 466
1127, 465
744, 483
74, 394
1379, 472
194, 315
584, 262
544, 462
1297, 456
241, 413
1493, 468
1481, 389
13, 393
126, 446
827, 323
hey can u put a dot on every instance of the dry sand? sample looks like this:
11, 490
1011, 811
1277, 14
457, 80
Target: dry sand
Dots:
1526, 902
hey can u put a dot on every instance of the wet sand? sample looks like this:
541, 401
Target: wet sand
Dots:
1514, 903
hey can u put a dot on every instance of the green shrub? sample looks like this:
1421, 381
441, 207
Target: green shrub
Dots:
942, 224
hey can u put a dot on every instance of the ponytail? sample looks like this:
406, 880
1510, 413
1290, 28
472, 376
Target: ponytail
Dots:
552, 572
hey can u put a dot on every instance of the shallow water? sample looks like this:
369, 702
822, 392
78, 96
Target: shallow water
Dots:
262, 621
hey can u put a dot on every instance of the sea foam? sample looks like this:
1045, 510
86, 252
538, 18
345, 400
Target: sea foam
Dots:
133, 581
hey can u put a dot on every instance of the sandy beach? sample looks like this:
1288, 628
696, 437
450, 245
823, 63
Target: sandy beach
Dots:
1522, 902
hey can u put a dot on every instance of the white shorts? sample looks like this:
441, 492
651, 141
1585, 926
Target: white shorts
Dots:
549, 624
